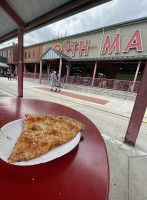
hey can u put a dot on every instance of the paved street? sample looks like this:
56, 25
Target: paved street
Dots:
128, 165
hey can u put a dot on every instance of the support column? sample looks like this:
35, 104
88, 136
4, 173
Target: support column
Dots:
49, 68
60, 68
67, 73
95, 68
20, 61
40, 72
136, 74
16, 68
35, 70
11, 68
138, 110
24, 68
48, 71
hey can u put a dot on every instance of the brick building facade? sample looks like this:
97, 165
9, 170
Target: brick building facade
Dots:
116, 49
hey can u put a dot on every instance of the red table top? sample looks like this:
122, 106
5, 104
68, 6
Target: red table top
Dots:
82, 174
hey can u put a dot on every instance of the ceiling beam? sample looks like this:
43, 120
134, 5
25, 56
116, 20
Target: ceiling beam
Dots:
12, 13
68, 9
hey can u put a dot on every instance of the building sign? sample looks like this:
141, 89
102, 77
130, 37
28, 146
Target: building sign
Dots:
73, 46
135, 42
116, 42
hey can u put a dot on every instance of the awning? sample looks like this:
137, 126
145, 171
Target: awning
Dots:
3, 65
53, 54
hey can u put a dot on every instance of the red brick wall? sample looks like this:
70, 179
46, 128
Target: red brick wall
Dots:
15, 53
11, 53
38, 49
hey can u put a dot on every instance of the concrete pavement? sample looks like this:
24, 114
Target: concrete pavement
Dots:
128, 165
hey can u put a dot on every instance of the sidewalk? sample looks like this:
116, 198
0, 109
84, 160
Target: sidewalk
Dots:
77, 96
121, 101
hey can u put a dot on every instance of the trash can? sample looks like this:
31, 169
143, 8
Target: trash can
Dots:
85, 81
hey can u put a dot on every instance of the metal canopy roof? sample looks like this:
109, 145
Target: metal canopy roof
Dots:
33, 14
3, 65
3, 62
52, 54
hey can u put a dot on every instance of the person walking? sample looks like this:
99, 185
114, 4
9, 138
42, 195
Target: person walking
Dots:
53, 80
9, 74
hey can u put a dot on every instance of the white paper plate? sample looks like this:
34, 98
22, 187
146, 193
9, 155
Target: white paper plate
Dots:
9, 135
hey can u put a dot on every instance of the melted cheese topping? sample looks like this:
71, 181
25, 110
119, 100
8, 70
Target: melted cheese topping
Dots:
42, 133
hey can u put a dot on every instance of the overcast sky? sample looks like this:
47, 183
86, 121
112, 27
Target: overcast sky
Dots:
110, 13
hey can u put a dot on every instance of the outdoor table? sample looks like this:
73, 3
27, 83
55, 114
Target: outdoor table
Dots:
82, 174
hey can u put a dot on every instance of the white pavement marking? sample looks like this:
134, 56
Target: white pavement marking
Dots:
145, 119
77, 102
3, 92
125, 147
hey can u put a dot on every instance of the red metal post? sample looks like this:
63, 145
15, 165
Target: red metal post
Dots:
16, 68
60, 67
20, 61
35, 69
40, 72
136, 75
138, 110
24, 68
94, 73
67, 72
49, 68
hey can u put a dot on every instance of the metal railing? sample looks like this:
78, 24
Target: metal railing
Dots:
115, 84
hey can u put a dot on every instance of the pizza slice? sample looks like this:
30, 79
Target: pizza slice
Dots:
41, 133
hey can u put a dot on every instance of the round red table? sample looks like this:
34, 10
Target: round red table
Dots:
82, 174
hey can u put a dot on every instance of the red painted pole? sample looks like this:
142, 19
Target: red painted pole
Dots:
136, 75
16, 68
40, 72
67, 72
49, 68
20, 61
24, 68
94, 73
60, 67
138, 110
35, 69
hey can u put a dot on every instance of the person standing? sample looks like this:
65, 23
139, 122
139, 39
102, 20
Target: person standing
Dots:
53, 80
14, 75
9, 74
104, 81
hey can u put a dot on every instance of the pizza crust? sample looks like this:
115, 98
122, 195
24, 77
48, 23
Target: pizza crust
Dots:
41, 133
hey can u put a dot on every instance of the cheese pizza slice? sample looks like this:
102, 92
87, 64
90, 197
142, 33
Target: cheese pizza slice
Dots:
41, 133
